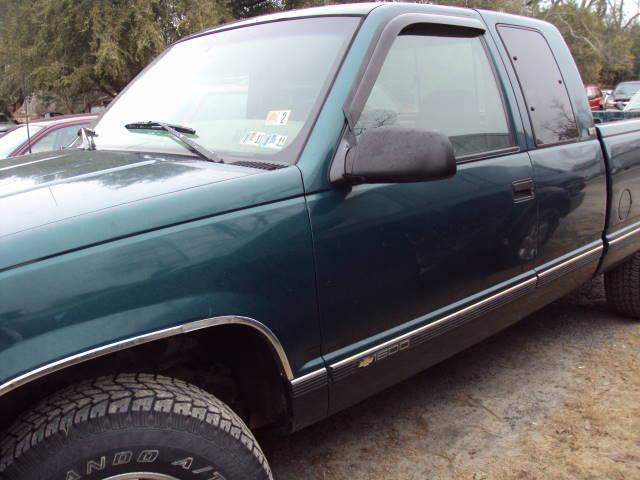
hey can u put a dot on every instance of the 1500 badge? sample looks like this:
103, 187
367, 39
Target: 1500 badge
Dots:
384, 353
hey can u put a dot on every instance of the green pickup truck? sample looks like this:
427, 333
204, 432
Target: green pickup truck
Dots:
281, 217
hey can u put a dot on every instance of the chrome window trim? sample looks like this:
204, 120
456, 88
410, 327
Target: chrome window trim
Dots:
499, 152
97, 352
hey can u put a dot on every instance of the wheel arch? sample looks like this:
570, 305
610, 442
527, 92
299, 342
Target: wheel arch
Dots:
116, 356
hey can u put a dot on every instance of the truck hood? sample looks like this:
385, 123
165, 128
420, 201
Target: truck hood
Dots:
62, 201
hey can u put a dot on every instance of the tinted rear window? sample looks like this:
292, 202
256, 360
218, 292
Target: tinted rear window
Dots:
542, 85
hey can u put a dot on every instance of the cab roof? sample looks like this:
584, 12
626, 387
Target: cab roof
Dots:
354, 9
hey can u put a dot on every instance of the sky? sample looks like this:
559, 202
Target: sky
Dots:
631, 7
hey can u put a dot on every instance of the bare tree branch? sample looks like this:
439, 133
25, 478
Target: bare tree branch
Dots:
631, 21
576, 35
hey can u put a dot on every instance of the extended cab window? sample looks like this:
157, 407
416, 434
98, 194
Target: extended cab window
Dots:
440, 82
542, 85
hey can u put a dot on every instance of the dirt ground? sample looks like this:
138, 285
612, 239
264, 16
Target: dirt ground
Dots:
557, 396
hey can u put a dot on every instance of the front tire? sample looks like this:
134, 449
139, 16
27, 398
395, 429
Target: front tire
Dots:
149, 426
622, 287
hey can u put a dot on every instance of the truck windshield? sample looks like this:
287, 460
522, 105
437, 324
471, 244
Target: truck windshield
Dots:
247, 92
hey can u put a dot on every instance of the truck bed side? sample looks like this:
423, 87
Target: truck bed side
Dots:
621, 145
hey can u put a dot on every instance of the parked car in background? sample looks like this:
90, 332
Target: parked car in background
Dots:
606, 93
6, 124
634, 103
43, 136
622, 94
52, 114
595, 96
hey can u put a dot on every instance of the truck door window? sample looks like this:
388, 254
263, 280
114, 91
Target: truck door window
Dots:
542, 85
440, 82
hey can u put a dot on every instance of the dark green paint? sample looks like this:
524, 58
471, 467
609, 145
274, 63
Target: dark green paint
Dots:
389, 254
254, 261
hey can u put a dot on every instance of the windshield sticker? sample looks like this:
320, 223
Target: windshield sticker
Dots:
274, 141
278, 117
261, 139
253, 138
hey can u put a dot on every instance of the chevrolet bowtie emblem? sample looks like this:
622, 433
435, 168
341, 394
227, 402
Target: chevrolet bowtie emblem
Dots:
366, 361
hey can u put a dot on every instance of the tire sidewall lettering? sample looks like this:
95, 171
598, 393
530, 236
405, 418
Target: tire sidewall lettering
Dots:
137, 458
148, 456
122, 458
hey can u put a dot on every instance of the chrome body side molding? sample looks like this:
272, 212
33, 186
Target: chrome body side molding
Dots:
344, 368
339, 370
621, 244
150, 337
350, 365
624, 235
563, 268
309, 382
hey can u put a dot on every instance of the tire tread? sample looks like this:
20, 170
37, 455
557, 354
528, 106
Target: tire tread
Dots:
122, 394
622, 287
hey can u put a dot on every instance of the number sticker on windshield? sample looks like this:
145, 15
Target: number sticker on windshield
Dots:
253, 138
261, 139
278, 117
275, 141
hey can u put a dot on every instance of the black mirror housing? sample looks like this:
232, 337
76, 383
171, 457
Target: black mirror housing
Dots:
399, 155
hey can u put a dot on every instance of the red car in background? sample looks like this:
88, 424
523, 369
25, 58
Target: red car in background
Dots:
595, 97
44, 135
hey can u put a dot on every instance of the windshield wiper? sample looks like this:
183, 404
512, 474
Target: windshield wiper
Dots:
177, 132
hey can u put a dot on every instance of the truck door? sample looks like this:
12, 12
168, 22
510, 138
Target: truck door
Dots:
402, 267
568, 165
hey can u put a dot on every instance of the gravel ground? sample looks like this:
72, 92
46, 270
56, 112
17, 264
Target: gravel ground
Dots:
556, 396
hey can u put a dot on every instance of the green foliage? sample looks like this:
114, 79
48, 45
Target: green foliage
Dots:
603, 41
635, 49
584, 32
69, 48
252, 8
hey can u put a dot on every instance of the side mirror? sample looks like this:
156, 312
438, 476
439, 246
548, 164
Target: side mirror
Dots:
399, 155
